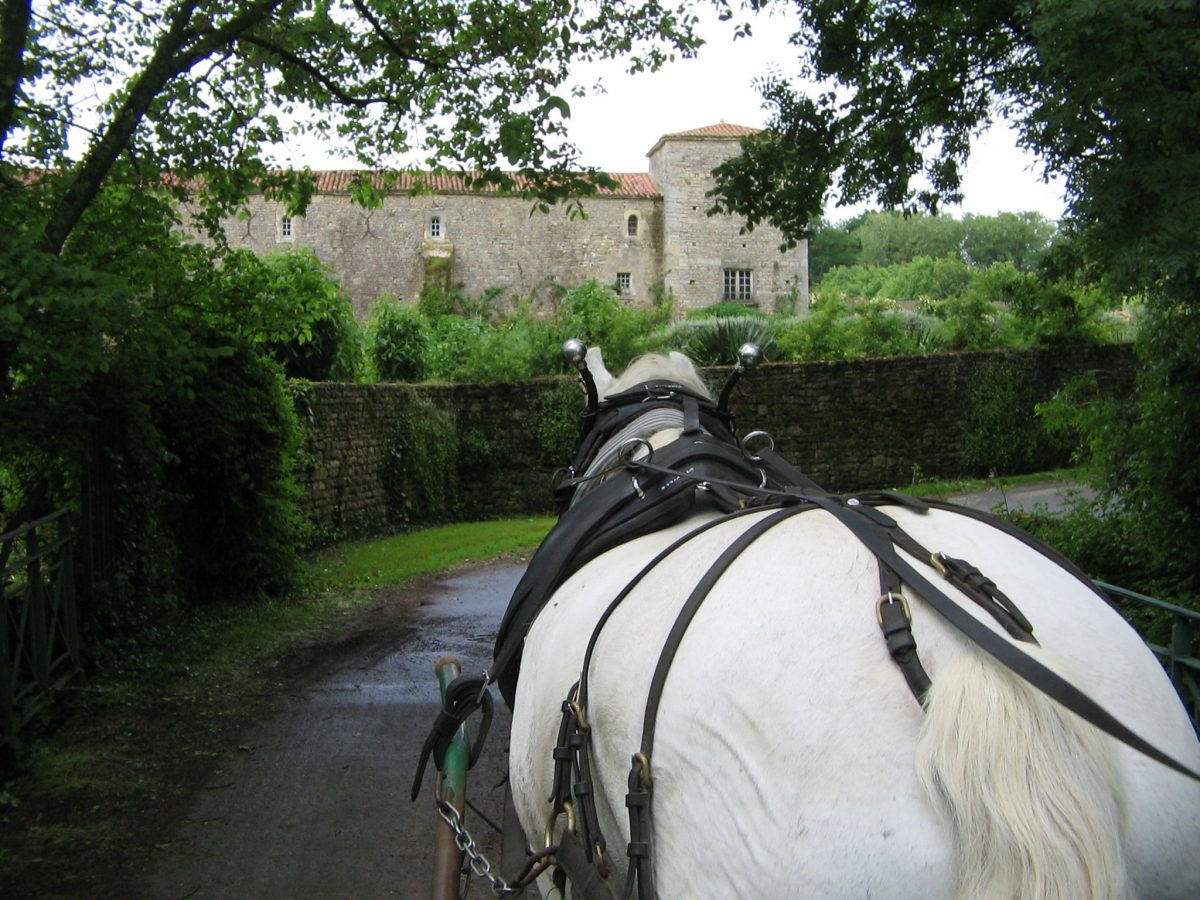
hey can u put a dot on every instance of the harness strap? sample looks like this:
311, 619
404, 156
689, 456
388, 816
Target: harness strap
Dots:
641, 811
1003, 651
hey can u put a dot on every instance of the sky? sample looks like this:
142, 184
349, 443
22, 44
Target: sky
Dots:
615, 130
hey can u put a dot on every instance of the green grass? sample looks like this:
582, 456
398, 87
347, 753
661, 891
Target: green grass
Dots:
391, 560
946, 487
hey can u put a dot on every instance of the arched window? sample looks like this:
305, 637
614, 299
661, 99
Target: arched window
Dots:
631, 225
435, 226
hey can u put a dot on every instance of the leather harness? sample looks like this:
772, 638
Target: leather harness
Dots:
707, 465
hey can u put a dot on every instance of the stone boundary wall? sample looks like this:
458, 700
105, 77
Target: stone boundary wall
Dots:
850, 425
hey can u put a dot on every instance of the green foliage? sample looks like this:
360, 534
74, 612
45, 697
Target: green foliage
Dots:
1145, 447
420, 475
726, 309
1005, 433
556, 420
235, 511
596, 315
927, 278
834, 330
399, 340
889, 238
715, 341
831, 245
438, 299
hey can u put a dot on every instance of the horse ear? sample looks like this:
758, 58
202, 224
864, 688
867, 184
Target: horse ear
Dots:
601, 375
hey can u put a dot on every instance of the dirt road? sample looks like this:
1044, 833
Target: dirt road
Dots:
315, 804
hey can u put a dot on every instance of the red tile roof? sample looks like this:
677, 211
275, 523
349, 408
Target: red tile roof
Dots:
720, 130
631, 185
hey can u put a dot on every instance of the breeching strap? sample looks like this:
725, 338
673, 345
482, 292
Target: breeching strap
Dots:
1004, 651
641, 855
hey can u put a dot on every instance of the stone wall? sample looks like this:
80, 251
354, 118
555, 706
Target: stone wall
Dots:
850, 425
491, 242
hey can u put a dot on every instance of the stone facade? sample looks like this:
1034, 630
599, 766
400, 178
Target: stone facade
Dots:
651, 228
850, 425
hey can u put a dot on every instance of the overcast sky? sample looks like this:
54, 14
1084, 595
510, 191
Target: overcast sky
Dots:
615, 130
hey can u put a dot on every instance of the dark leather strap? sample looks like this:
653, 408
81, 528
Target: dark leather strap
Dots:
1004, 651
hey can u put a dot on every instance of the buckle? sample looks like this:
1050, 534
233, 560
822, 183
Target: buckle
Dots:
891, 598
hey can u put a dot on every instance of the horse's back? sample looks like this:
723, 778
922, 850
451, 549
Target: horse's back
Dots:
785, 739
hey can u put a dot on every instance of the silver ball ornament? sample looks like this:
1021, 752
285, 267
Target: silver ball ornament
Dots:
574, 351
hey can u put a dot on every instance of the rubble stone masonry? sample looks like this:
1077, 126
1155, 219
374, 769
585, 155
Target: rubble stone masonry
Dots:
850, 425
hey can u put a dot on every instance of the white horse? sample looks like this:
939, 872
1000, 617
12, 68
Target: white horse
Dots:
791, 759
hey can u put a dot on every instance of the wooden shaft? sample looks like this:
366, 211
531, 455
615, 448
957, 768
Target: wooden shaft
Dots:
452, 784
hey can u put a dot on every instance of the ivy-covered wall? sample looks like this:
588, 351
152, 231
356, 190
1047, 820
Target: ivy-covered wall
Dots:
851, 425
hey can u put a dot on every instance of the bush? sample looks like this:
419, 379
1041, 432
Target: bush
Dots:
399, 340
1005, 433
556, 421
726, 309
332, 352
232, 506
716, 341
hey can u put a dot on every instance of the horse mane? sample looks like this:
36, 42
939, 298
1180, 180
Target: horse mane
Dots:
657, 366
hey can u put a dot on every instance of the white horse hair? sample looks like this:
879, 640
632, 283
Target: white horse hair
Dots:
790, 759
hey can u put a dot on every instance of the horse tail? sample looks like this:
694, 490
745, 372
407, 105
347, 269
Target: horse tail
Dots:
1031, 789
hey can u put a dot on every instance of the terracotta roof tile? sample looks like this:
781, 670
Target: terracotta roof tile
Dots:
338, 181
720, 130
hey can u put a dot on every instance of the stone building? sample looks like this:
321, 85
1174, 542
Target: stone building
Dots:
652, 227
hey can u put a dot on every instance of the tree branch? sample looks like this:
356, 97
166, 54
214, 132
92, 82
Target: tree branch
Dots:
14, 22
169, 60
312, 71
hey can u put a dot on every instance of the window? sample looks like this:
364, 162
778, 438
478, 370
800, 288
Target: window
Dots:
738, 285
435, 227
631, 226
624, 283
285, 229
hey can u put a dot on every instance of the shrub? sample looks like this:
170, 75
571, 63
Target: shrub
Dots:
232, 504
726, 309
400, 342
1005, 433
332, 352
715, 341
595, 314
556, 420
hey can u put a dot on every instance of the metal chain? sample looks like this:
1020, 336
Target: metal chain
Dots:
480, 867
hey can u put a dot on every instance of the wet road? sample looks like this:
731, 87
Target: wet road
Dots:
316, 802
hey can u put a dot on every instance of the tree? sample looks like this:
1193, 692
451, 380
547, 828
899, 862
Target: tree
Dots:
185, 98
1105, 92
118, 117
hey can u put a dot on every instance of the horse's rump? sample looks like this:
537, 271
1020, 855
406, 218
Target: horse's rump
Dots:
786, 739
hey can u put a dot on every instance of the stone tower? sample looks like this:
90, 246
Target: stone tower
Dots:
704, 258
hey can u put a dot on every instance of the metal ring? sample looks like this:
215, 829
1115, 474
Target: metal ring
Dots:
625, 454
754, 435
